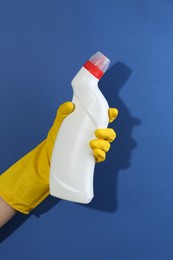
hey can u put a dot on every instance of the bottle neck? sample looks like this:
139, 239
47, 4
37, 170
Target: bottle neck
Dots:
85, 78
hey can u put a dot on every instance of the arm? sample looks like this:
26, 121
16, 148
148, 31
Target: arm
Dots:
6, 212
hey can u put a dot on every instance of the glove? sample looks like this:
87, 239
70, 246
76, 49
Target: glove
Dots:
26, 183
101, 145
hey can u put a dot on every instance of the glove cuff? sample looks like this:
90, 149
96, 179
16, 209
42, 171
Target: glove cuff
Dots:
26, 183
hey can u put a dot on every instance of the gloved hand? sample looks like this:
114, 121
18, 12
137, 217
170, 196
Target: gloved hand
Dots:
26, 183
101, 145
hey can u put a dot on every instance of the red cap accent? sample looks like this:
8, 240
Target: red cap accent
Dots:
93, 69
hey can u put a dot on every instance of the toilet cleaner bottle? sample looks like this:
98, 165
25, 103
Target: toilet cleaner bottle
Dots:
72, 163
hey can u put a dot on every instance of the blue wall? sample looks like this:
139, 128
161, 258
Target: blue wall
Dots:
42, 45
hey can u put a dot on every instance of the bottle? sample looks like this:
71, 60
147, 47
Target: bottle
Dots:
72, 162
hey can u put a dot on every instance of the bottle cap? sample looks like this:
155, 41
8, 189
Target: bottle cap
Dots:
97, 64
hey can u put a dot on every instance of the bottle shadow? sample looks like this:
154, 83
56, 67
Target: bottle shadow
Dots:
119, 157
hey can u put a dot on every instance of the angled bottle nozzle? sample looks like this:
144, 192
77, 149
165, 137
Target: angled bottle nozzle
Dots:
100, 61
97, 64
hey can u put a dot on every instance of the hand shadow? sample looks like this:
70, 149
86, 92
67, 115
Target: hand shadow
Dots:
106, 174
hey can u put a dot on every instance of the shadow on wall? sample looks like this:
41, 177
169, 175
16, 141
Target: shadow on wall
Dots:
118, 158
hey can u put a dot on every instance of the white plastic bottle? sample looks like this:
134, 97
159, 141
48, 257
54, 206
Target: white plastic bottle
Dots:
72, 163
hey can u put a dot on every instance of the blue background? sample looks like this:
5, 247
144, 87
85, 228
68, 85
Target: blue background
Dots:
42, 46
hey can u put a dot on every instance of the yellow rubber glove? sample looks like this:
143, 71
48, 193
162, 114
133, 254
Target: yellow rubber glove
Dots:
26, 183
105, 136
